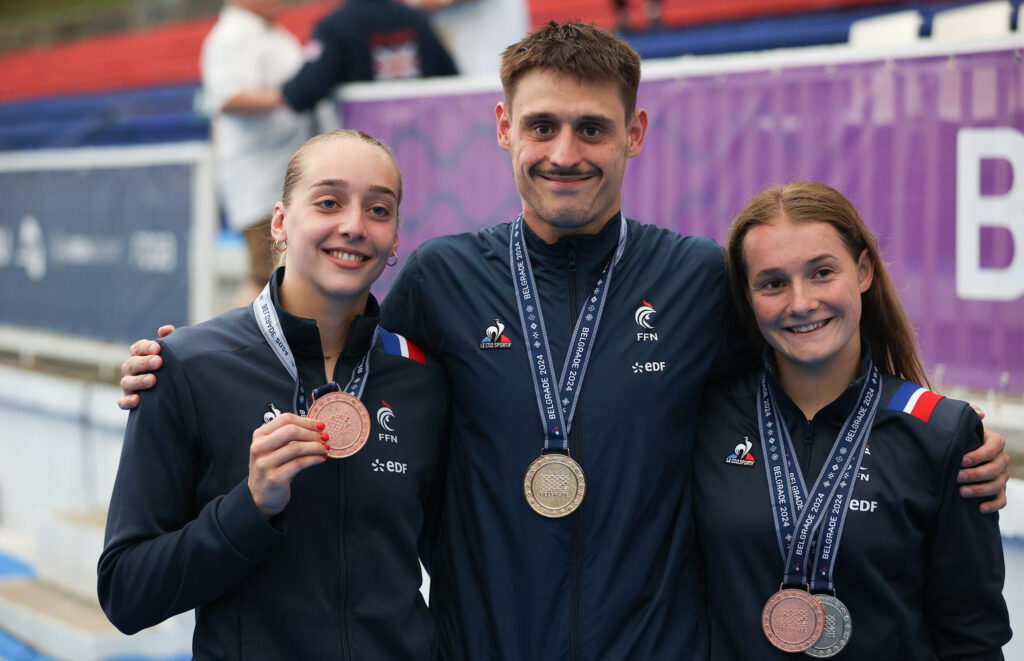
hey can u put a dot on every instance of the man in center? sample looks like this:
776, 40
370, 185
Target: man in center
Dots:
619, 577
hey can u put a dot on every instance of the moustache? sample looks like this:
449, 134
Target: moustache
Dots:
562, 172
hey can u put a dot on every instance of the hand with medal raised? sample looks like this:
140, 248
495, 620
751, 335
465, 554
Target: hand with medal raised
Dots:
281, 449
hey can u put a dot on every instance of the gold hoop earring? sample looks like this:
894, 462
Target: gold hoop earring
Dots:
281, 246
394, 255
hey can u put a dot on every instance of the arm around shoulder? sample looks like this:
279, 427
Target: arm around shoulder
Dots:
963, 601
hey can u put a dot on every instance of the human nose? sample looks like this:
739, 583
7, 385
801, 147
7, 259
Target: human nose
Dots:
565, 151
350, 223
802, 299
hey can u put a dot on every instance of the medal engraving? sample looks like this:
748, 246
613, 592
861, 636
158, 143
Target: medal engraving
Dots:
347, 423
838, 628
554, 485
793, 620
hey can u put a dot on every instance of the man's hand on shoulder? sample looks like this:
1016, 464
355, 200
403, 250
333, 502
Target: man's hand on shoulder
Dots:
137, 370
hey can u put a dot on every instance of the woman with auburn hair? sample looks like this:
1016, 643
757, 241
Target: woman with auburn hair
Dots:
832, 441
299, 539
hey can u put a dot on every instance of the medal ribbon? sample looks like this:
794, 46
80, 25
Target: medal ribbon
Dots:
270, 325
798, 512
556, 416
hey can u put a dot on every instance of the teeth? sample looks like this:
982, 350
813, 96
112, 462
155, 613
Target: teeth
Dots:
807, 328
346, 256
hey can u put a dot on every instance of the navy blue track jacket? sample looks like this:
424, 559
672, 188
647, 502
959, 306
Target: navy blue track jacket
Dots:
618, 579
333, 576
919, 568
367, 40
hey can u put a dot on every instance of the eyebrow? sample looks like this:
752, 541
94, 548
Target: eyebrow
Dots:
343, 183
814, 261
549, 116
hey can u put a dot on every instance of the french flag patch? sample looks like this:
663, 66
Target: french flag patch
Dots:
396, 345
915, 400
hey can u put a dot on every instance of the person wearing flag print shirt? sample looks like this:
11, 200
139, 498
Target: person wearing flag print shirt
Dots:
283, 552
919, 568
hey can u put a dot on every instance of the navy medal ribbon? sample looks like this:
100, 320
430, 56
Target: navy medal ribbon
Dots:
557, 408
799, 512
270, 325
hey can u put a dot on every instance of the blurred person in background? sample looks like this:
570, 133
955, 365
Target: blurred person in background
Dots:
471, 28
244, 55
832, 439
363, 40
283, 552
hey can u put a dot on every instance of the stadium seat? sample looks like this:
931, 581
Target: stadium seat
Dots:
980, 21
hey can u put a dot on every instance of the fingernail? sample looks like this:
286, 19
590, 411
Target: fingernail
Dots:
327, 446
961, 476
967, 462
966, 492
324, 436
324, 456
320, 426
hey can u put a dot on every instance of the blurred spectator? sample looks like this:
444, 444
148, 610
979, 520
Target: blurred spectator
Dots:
474, 29
367, 40
243, 54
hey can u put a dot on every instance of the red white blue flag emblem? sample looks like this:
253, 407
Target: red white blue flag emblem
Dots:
915, 400
396, 345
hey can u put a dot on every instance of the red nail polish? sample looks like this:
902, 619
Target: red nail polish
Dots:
324, 436
324, 456
320, 426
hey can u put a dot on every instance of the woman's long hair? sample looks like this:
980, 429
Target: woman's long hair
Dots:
883, 323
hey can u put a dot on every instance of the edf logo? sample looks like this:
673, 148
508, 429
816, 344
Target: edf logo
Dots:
863, 505
650, 366
389, 466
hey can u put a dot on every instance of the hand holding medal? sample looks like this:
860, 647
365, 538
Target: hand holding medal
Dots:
279, 450
345, 417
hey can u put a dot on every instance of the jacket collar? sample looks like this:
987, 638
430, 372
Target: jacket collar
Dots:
837, 410
303, 336
588, 250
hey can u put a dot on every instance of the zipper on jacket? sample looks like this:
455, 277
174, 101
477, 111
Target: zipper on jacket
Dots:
577, 538
343, 574
808, 448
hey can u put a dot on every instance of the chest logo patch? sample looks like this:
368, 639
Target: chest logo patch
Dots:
644, 318
271, 413
741, 454
386, 419
495, 338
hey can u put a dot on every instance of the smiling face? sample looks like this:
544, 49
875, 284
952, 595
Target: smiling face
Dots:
805, 290
569, 142
340, 221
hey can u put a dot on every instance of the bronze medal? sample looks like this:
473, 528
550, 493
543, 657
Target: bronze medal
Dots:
554, 485
838, 627
347, 422
793, 620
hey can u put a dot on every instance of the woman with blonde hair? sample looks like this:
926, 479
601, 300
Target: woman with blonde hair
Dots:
299, 539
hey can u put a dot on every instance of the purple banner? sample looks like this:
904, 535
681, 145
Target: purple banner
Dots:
926, 148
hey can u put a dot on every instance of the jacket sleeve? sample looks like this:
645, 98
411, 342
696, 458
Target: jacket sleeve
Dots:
404, 308
165, 553
964, 582
320, 74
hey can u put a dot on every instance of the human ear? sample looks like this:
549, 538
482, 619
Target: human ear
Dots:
865, 270
637, 131
277, 229
504, 117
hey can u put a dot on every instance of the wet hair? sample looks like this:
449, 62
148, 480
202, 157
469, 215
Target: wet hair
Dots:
884, 324
296, 166
588, 53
